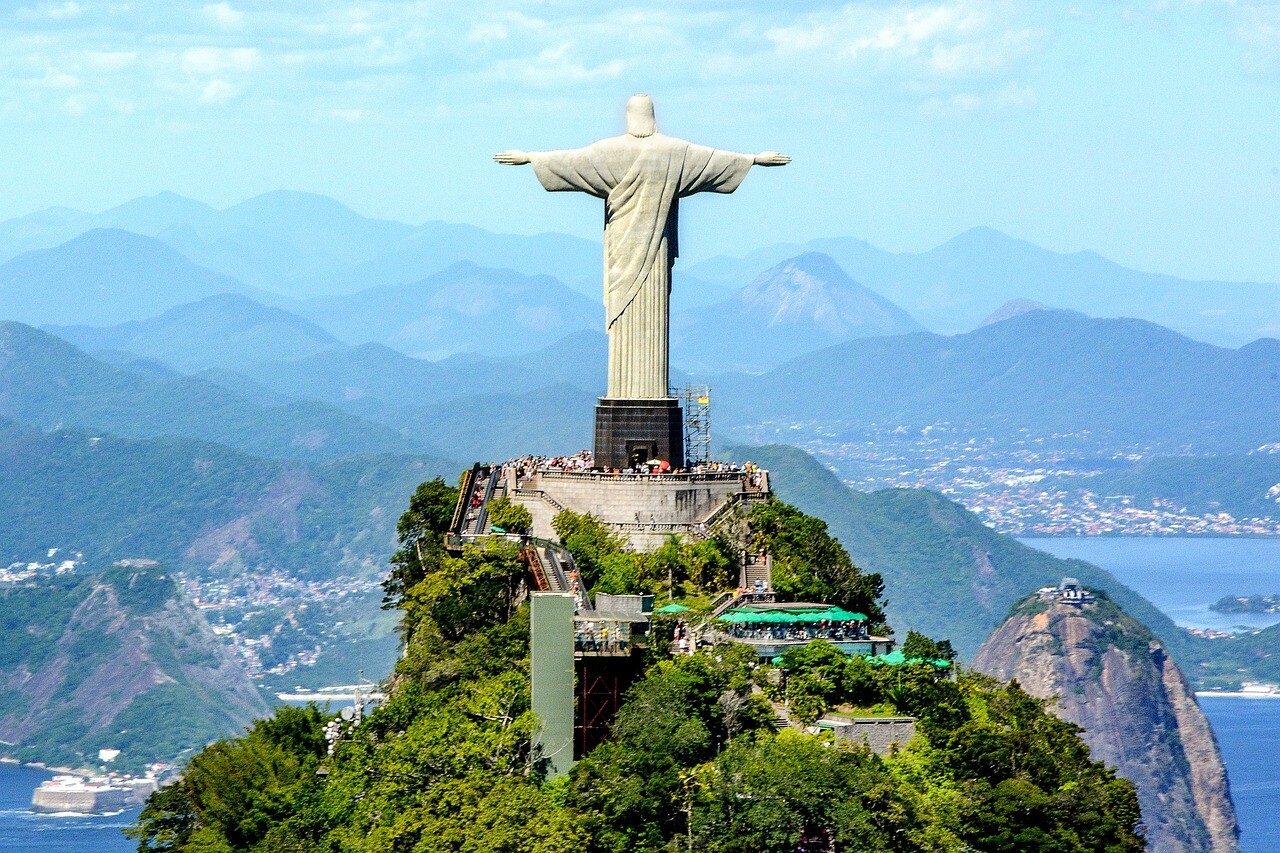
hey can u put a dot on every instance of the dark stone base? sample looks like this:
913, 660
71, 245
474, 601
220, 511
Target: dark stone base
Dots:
630, 431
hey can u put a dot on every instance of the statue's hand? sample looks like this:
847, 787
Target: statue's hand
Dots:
512, 158
772, 158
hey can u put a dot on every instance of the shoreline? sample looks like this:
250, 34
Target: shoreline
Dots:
1235, 694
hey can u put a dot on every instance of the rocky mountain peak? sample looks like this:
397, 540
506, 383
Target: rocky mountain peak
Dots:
812, 289
1113, 678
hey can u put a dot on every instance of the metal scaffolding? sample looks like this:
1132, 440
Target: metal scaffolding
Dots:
696, 400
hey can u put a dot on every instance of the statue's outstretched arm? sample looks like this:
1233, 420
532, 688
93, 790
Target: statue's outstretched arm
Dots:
513, 158
771, 158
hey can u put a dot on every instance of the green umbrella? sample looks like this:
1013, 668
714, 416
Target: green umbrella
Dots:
672, 608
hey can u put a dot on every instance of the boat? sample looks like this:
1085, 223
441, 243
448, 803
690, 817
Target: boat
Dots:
77, 795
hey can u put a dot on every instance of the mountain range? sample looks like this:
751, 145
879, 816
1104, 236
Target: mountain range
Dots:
1114, 383
47, 383
226, 330
197, 506
464, 308
801, 304
298, 246
952, 287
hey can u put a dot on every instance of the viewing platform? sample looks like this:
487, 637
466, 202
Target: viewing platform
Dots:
645, 505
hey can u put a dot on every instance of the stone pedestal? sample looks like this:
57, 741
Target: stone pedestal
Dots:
631, 431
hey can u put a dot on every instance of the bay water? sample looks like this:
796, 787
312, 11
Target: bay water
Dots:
24, 832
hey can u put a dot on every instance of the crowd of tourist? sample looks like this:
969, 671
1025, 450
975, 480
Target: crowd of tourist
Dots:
833, 631
601, 638
584, 461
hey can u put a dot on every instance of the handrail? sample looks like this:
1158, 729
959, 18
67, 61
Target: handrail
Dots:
538, 493
483, 515
464, 499
722, 602
716, 476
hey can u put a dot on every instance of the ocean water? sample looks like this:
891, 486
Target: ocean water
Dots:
24, 832
1183, 577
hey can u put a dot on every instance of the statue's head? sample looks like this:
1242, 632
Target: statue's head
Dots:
640, 120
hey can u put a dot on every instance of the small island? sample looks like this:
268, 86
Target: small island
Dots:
1247, 604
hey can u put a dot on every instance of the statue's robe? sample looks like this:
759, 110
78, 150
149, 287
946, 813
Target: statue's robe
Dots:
641, 180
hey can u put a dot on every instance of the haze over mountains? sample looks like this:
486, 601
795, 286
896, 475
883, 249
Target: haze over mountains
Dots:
285, 248
1043, 373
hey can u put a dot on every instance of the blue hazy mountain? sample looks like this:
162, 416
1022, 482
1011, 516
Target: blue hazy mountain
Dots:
465, 308
104, 277
300, 245
437, 245
285, 242
349, 376
952, 287
47, 383
1046, 372
191, 503
801, 304
226, 330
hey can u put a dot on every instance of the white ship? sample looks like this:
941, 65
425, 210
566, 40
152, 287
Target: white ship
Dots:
95, 795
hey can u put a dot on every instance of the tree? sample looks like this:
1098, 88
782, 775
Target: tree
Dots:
918, 646
420, 531
236, 791
510, 516
589, 540
809, 564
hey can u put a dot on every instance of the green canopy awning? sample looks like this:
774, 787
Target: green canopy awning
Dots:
897, 658
672, 608
791, 616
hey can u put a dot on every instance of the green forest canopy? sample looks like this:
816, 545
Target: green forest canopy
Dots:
447, 762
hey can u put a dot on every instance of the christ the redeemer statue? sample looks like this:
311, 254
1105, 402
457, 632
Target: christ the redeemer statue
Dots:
641, 175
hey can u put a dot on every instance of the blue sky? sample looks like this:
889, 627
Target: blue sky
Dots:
1147, 131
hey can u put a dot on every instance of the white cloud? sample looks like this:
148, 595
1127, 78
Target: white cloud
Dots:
555, 67
111, 60
1016, 96
52, 11
219, 60
349, 116
224, 16
217, 92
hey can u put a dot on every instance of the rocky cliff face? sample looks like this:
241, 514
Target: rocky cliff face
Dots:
1114, 679
117, 660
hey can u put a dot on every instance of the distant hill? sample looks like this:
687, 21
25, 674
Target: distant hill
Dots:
303, 245
497, 425
1046, 372
104, 277
948, 575
227, 330
800, 305
952, 287
438, 245
351, 376
1246, 486
465, 308
285, 241
1013, 308
116, 660
194, 505
48, 383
